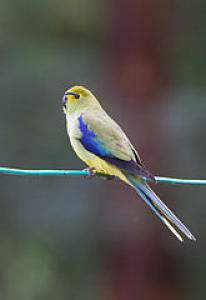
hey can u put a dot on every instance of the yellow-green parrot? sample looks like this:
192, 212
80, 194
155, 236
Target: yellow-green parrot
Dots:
103, 146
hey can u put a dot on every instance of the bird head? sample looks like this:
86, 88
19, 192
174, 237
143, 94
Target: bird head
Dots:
76, 98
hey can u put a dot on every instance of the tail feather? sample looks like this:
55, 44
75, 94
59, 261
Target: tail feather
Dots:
160, 209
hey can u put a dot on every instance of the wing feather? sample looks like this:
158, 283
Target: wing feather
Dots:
103, 137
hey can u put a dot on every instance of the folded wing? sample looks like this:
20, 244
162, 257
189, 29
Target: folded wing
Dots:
104, 138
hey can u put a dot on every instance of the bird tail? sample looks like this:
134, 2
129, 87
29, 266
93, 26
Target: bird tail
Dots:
159, 208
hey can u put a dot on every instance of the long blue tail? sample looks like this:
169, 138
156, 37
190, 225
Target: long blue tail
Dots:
160, 209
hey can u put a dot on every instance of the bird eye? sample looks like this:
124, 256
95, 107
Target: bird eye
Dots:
76, 96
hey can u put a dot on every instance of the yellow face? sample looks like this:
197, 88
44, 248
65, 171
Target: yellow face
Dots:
77, 97
75, 94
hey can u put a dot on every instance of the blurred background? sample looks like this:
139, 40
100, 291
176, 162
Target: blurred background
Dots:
71, 238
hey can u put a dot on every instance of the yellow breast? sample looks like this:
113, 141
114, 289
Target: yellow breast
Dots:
94, 161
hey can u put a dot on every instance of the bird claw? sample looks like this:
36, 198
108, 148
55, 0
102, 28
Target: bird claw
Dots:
91, 172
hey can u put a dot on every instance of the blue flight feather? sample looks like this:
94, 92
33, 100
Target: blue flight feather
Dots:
90, 140
159, 208
96, 146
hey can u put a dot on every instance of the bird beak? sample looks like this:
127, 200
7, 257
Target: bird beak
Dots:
64, 98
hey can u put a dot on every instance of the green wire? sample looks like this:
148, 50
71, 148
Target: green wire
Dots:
13, 171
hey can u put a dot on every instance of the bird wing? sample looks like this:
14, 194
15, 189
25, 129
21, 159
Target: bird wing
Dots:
101, 136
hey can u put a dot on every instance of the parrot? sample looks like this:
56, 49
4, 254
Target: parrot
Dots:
104, 147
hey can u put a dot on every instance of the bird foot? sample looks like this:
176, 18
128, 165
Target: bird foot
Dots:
91, 171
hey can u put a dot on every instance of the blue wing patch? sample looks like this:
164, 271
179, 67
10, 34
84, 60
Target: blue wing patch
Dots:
90, 141
96, 146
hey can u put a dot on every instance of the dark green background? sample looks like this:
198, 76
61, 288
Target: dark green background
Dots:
52, 231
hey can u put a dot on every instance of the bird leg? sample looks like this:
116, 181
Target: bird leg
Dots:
91, 171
